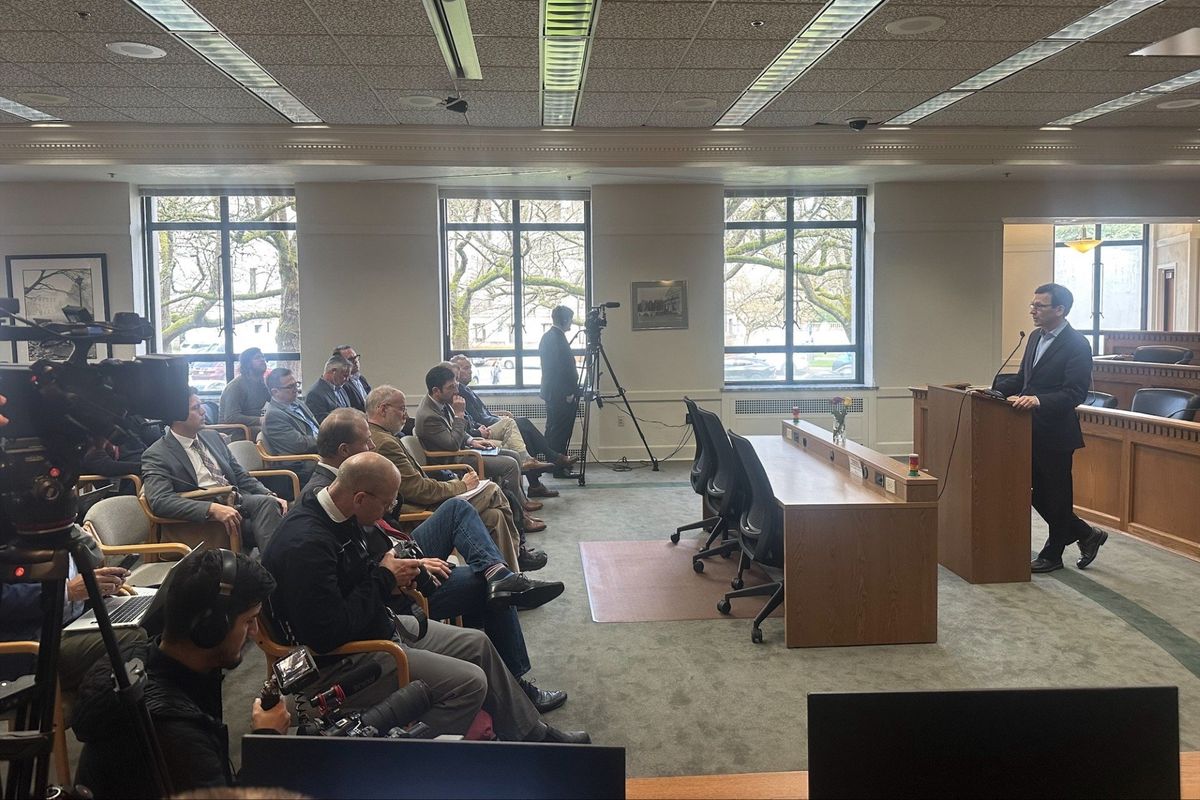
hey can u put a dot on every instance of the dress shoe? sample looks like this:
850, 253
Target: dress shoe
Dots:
533, 524
521, 591
544, 700
541, 490
533, 464
564, 473
530, 560
1090, 547
564, 460
1044, 565
532, 505
554, 735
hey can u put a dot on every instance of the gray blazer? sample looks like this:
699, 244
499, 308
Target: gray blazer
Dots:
435, 431
167, 471
285, 431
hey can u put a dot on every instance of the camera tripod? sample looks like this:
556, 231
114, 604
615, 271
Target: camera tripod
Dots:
28, 745
589, 390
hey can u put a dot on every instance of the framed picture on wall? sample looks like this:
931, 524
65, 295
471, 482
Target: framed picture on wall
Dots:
660, 305
45, 285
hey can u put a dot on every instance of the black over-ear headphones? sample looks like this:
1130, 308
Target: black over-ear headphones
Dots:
210, 627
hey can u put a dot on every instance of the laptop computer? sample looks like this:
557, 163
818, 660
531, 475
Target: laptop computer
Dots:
141, 610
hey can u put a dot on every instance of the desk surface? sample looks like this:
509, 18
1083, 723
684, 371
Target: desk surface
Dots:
801, 478
776, 785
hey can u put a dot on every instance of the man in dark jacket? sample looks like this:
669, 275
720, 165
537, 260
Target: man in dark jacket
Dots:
358, 387
1055, 373
212, 607
560, 380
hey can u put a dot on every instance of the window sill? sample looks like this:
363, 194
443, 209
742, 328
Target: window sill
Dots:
798, 387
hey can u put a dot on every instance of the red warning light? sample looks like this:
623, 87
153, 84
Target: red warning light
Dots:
19, 572
55, 472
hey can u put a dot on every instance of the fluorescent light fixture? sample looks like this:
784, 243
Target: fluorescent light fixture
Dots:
1178, 82
226, 56
1103, 18
285, 103
1031, 55
452, 29
832, 24
928, 107
1055, 128
1124, 101
566, 40
24, 111
174, 15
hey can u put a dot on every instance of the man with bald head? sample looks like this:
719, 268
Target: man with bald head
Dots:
337, 582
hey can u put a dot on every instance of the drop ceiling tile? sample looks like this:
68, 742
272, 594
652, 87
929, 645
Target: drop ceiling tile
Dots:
402, 50
502, 79
650, 20
956, 18
116, 97
621, 101
624, 80
954, 118
333, 100
44, 46
966, 55
1020, 23
852, 54
261, 115
260, 17
507, 17
780, 20
1188, 118
620, 119
501, 51
73, 98
177, 51
394, 100
374, 17
684, 102
705, 80
13, 20
102, 15
922, 80
408, 78
684, 119
717, 54
307, 75
1115, 56
1151, 26
443, 120
85, 75
169, 75
1058, 104
213, 98
783, 119
171, 116
838, 101
90, 114
839, 80
1061, 80
11, 75
505, 109
858, 111
618, 53
269, 50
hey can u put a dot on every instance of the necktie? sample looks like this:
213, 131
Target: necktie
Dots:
302, 412
209, 464
340, 395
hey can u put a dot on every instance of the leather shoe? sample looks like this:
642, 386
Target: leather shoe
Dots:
533, 524
533, 464
564, 460
556, 736
541, 490
533, 505
1091, 548
1044, 565
544, 700
522, 591
530, 560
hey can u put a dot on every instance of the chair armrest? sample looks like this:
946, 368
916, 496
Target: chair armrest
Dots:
235, 539
268, 458
462, 455
136, 479
232, 427
286, 473
414, 516
447, 468
211, 493
378, 646
179, 548
19, 648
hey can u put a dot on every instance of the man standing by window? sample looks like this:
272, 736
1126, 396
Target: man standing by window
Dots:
560, 381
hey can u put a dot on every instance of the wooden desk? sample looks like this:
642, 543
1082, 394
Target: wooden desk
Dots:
1139, 474
1123, 378
1125, 342
860, 562
794, 785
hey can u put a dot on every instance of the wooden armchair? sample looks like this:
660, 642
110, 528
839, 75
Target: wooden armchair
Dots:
88, 480
413, 445
267, 458
249, 456
270, 642
120, 527
211, 533
230, 428
62, 763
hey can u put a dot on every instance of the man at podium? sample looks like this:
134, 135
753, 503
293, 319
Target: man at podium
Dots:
1056, 371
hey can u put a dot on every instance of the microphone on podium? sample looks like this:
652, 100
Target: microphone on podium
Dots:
992, 392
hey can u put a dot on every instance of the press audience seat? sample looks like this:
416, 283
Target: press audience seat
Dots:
1163, 354
760, 535
209, 533
723, 491
121, 528
704, 464
420, 455
1100, 400
249, 457
1170, 403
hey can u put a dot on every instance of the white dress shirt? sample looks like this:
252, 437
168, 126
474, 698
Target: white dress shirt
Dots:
204, 478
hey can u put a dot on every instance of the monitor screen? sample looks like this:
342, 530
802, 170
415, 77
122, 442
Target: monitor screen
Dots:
995, 743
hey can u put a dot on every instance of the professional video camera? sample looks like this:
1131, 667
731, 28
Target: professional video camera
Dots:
320, 712
597, 318
55, 408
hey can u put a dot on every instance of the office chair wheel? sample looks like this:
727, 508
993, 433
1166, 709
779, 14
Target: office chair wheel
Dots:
698, 565
736, 583
723, 605
675, 537
756, 635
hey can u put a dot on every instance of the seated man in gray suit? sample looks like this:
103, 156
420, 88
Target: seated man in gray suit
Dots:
442, 425
187, 458
329, 391
289, 428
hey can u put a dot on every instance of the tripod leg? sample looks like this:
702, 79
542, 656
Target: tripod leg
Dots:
587, 390
628, 408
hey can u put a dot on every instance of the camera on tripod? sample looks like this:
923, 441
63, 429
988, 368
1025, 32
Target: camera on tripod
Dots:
597, 318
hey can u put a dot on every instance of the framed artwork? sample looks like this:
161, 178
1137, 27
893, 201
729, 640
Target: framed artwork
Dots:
660, 305
45, 284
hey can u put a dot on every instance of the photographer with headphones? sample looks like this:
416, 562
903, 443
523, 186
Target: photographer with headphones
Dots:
212, 605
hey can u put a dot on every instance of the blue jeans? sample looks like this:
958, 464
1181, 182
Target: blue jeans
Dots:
456, 526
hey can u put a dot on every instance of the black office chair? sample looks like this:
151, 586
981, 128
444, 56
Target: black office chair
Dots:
1163, 354
1169, 403
1100, 400
760, 535
703, 467
722, 491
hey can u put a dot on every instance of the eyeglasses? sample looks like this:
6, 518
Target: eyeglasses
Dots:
389, 503
398, 406
1040, 306
354, 358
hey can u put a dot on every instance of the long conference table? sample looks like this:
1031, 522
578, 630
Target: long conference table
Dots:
860, 541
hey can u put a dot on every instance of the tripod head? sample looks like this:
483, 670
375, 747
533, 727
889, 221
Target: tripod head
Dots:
597, 320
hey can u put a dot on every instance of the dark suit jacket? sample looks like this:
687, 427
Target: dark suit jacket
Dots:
322, 476
321, 398
167, 470
477, 410
286, 433
1061, 381
559, 374
357, 389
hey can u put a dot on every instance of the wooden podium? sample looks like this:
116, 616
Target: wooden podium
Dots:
983, 514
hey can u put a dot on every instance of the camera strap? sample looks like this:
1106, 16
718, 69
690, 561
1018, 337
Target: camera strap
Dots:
402, 631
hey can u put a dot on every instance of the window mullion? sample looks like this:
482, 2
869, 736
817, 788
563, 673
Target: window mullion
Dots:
518, 322
789, 290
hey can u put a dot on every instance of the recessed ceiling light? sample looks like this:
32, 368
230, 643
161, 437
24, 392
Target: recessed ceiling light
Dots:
50, 125
1055, 128
419, 101
135, 50
910, 26
42, 99
696, 103
1171, 105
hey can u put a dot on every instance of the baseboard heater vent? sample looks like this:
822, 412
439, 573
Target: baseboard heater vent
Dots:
783, 408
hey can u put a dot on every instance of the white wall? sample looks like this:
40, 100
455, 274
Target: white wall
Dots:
1028, 263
